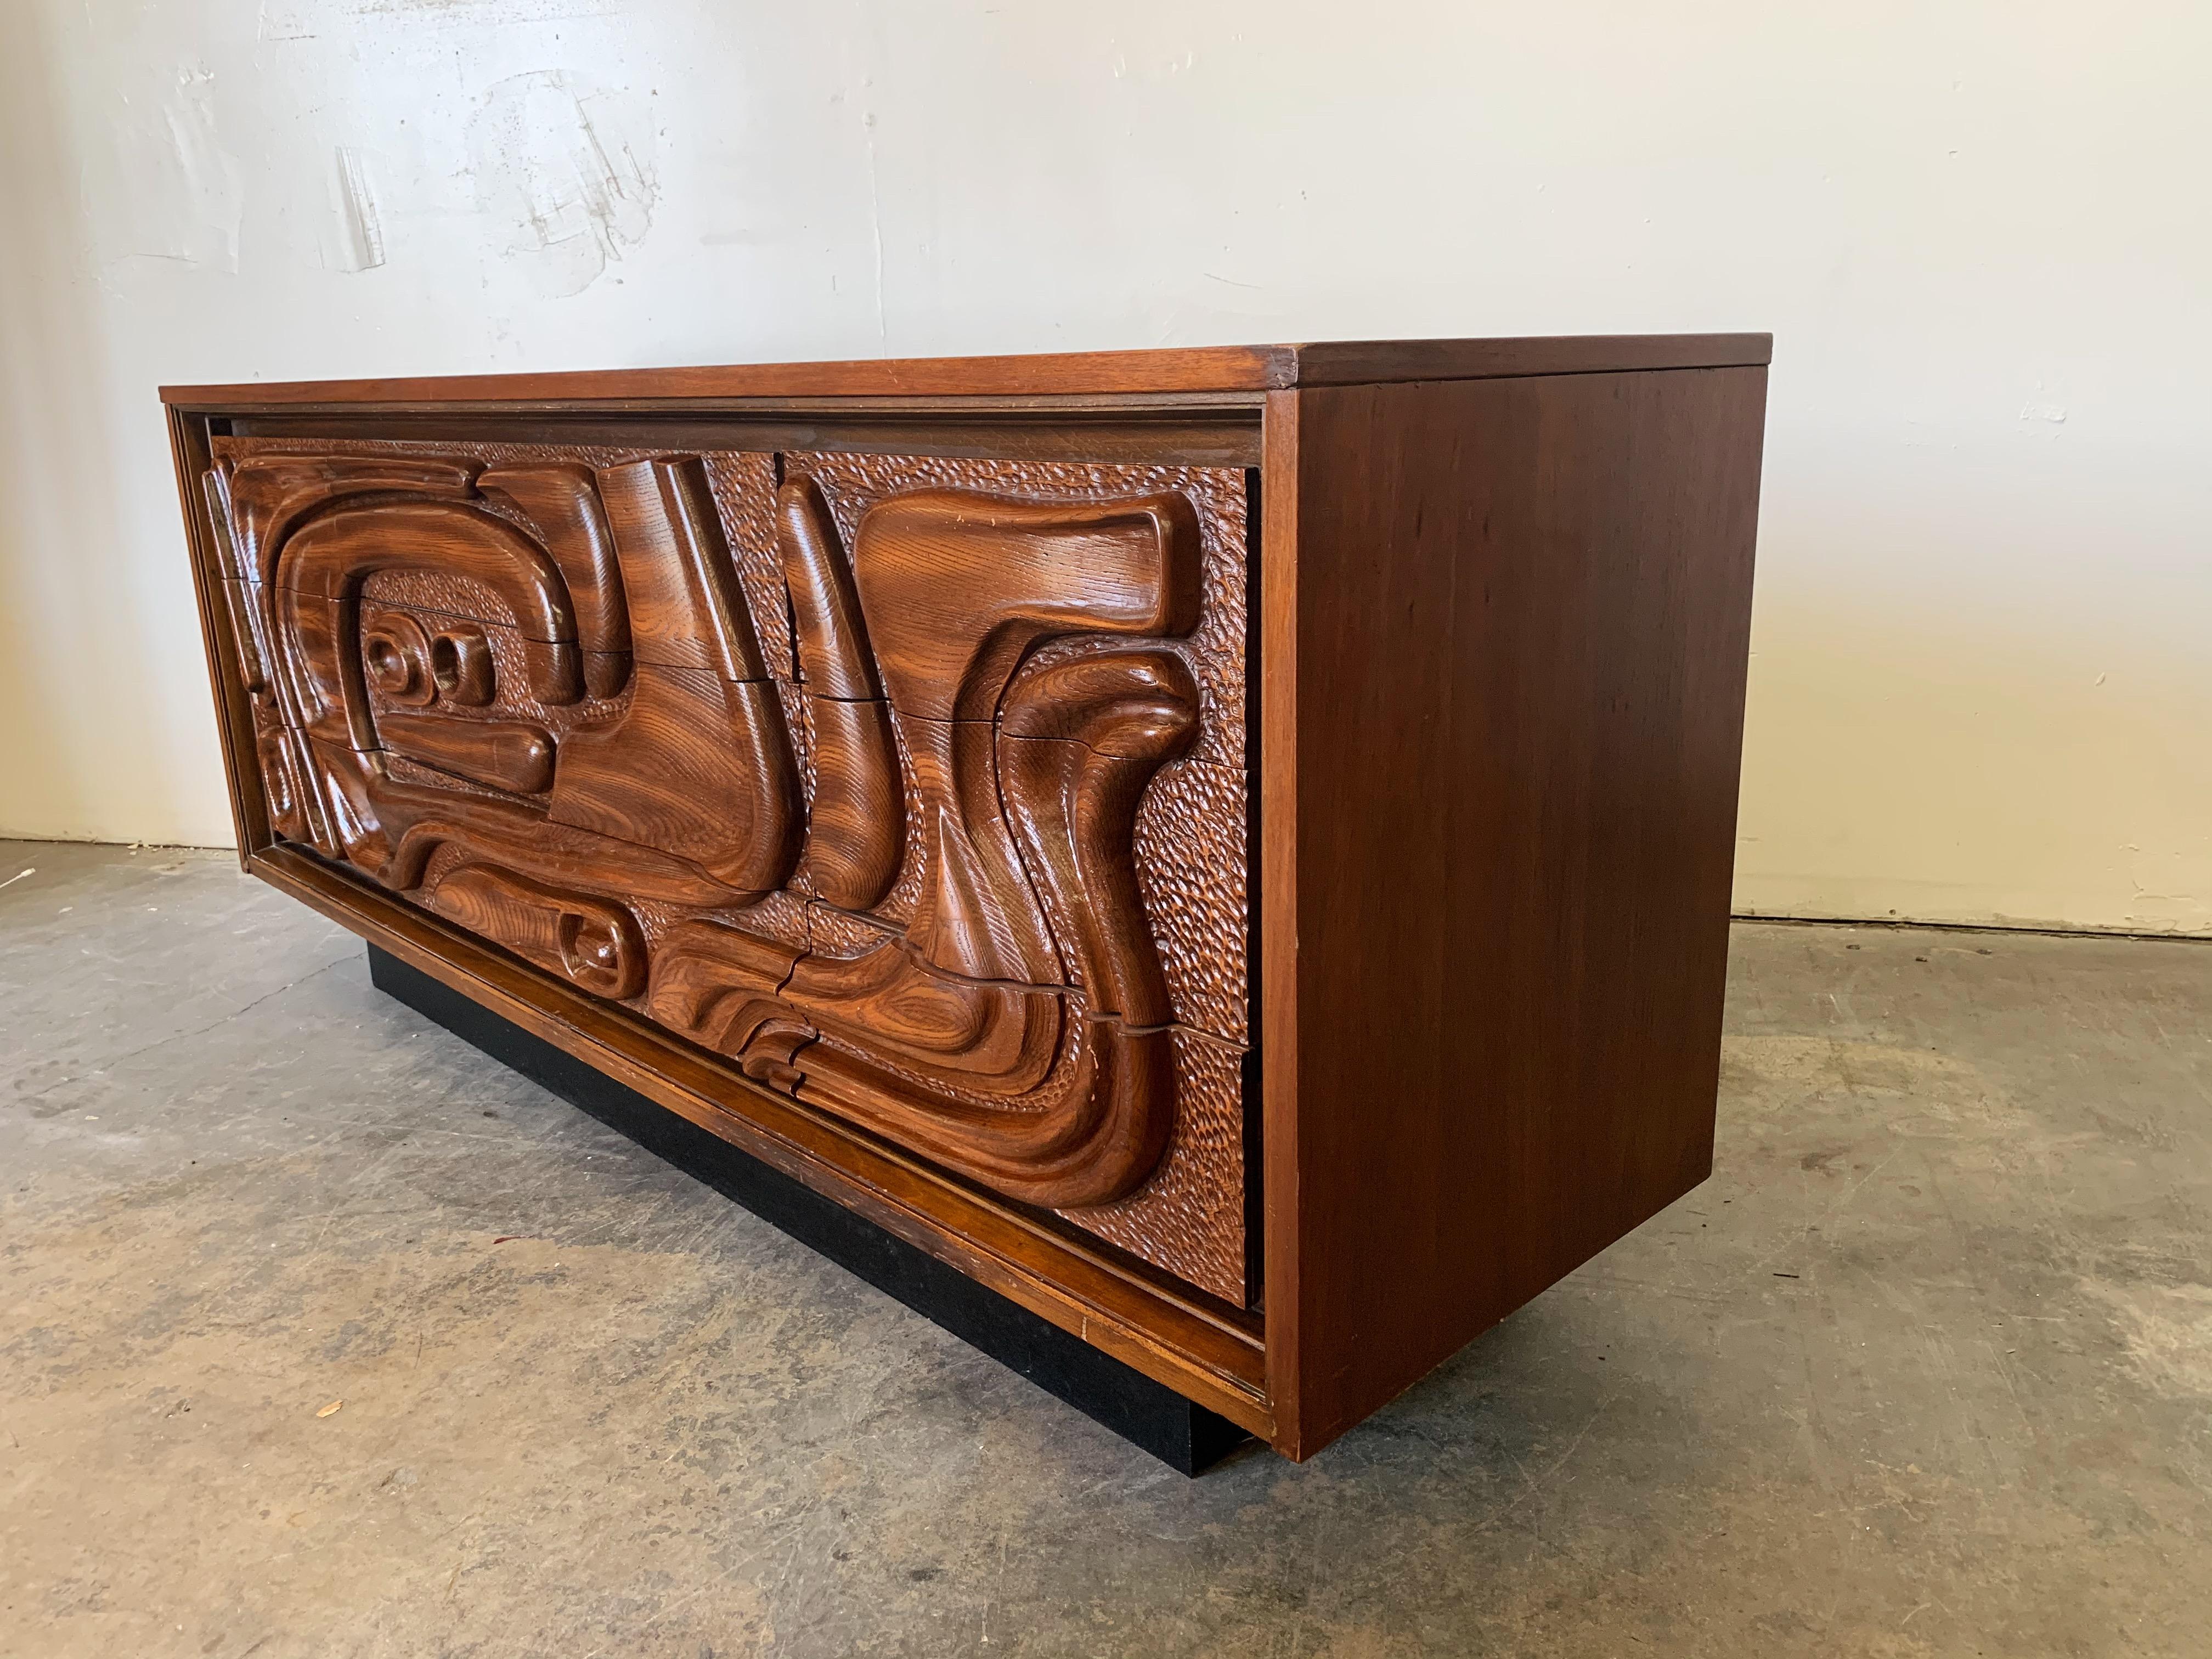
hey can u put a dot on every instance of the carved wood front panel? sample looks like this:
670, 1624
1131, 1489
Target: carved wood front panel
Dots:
913, 785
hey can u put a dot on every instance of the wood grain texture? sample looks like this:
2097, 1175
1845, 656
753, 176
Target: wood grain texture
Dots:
857, 816
542, 673
1355, 362
1188, 1211
1258, 368
741, 482
218, 591
962, 585
1190, 834
264, 499
514, 756
1274, 919
857, 826
1217, 429
1462, 784
1211, 1355
1214, 648
1520, 625
395, 653
560, 500
687, 608
595, 942
953, 1036
695, 766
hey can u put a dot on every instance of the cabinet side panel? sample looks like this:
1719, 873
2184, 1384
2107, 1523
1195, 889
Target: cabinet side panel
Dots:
1523, 627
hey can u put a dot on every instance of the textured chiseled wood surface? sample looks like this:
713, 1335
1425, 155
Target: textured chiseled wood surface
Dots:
916, 785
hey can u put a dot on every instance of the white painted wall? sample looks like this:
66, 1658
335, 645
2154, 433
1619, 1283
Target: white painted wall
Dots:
1981, 232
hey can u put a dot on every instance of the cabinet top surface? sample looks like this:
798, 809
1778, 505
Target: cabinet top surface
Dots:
1246, 369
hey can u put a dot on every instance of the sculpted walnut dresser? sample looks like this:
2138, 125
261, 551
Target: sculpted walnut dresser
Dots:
1205, 870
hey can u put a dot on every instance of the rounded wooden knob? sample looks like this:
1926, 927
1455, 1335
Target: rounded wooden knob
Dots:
461, 665
397, 654
602, 953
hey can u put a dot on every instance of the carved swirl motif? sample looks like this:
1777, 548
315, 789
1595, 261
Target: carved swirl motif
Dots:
595, 769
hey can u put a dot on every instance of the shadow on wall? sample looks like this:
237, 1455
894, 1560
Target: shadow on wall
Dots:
1898, 770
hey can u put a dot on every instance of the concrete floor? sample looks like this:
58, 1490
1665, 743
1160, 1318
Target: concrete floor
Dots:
1925, 1369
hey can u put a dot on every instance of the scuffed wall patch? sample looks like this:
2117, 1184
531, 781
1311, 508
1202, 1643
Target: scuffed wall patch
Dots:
182, 186
355, 237
567, 175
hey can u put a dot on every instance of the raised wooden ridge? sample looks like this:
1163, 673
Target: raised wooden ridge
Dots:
1198, 369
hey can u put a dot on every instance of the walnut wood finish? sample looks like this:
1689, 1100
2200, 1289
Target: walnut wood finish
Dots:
584, 645
889, 807
1136, 374
1493, 1032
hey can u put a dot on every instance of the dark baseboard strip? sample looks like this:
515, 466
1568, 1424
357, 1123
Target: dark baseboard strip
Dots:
1148, 1415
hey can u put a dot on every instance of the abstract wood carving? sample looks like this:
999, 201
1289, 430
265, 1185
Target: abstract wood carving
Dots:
531, 694
1229, 849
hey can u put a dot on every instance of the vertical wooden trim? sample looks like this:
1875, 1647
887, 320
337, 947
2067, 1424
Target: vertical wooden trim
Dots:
233, 712
1278, 899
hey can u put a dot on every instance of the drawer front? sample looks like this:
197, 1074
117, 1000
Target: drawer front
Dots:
915, 786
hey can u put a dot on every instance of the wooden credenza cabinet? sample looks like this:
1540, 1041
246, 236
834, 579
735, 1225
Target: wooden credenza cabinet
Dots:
1230, 848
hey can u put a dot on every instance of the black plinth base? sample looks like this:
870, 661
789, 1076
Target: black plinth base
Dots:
1148, 1415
